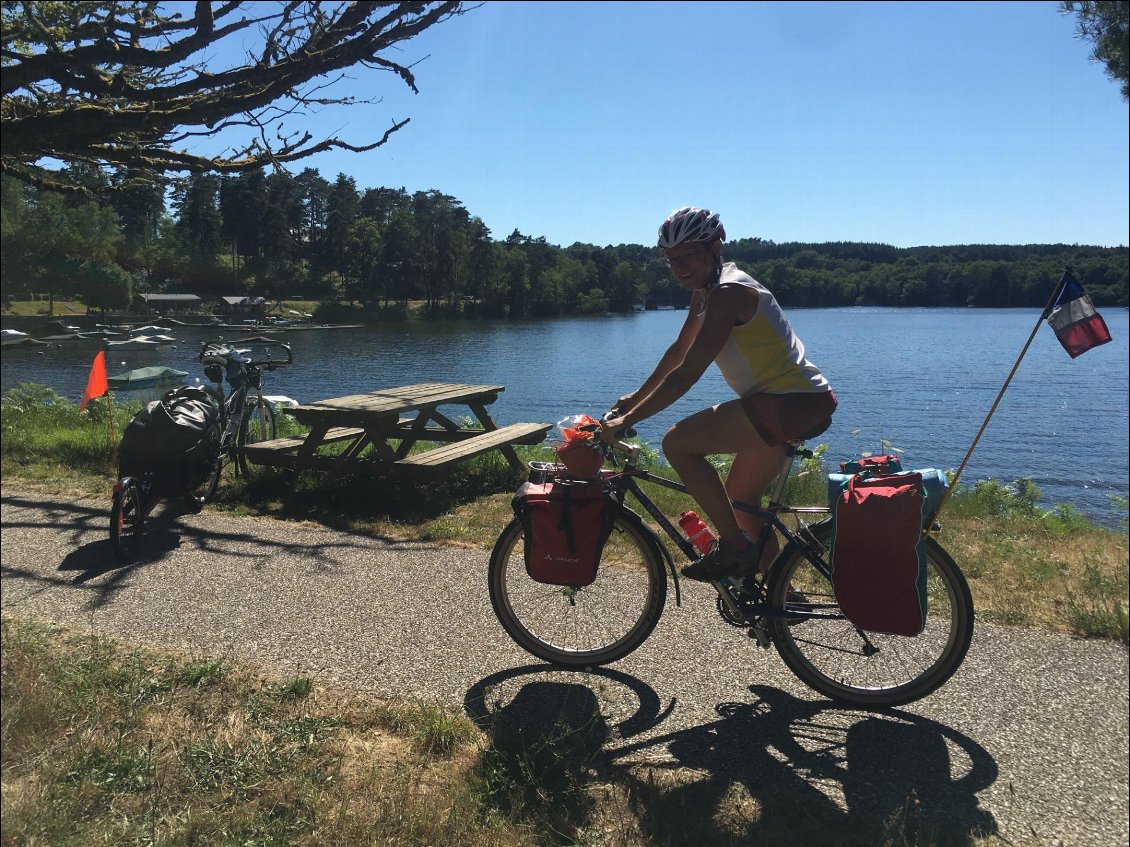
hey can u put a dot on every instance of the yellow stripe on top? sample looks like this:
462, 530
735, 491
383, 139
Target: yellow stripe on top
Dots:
764, 354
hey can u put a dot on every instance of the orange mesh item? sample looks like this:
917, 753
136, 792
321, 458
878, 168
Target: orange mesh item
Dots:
579, 451
571, 434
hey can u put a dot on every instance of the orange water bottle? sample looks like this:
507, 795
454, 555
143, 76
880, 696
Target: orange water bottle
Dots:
697, 531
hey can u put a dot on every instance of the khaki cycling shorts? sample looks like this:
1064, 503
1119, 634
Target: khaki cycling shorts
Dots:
782, 417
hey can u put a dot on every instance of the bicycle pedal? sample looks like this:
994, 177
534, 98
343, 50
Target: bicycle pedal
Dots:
760, 635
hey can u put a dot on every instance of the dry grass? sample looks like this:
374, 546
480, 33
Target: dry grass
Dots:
108, 745
1023, 573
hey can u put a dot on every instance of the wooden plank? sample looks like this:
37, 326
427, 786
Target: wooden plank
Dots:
282, 445
318, 462
440, 458
404, 398
396, 400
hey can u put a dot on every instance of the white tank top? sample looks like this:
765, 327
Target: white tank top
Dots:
764, 355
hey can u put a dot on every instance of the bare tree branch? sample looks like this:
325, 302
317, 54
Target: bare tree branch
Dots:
123, 84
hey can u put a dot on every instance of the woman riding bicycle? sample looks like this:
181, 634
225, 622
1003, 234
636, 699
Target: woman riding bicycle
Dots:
735, 322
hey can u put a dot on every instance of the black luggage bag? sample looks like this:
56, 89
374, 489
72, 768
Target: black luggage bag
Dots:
174, 440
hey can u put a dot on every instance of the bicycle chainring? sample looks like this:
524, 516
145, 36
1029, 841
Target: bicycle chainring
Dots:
746, 602
728, 616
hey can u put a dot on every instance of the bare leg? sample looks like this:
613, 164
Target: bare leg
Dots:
723, 429
750, 474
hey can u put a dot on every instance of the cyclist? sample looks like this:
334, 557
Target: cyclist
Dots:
735, 322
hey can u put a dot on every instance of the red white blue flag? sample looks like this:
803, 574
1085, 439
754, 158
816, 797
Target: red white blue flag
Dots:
1073, 317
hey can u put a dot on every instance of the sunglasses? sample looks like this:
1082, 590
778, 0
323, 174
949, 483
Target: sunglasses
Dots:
685, 258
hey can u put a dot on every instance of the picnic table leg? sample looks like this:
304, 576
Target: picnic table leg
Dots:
483, 415
412, 434
312, 440
512, 457
380, 445
354, 449
488, 424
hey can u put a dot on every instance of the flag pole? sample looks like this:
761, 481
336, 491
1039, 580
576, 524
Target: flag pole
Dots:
113, 434
110, 404
953, 483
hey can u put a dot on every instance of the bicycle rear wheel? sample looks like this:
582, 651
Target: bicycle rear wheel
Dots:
593, 625
832, 656
258, 425
126, 521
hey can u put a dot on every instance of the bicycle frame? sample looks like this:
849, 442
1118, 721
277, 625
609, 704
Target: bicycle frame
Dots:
740, 607
234, 408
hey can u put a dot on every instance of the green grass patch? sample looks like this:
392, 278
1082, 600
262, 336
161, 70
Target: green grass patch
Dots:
103, 744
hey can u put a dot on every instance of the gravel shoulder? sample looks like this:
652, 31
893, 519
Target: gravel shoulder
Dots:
1028, 741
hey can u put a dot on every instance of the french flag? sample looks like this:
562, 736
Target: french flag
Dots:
1073, 317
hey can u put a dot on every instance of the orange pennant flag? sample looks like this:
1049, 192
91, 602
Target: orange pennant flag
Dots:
96, 383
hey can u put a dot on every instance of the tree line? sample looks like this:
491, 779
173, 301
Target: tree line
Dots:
284, 236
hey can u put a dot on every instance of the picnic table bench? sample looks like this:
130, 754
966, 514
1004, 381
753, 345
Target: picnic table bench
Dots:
391, 421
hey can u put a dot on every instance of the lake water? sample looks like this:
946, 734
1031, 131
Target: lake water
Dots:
921, 379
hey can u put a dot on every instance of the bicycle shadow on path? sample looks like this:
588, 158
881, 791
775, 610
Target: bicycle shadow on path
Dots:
774, 770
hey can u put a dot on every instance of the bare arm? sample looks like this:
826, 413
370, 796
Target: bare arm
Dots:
702, 346
670, 359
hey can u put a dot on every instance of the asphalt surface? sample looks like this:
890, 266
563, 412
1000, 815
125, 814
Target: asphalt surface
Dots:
1028, 741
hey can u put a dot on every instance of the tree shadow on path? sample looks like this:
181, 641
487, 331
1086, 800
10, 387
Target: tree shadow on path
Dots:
97, 570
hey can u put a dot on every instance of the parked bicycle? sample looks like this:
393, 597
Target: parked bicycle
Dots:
246, 416
792, 608
179, 446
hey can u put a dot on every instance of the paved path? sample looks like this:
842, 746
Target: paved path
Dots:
1028, 740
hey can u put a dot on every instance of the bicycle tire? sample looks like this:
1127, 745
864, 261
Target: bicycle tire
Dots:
127, 519
832, 656
581, 627
258, 425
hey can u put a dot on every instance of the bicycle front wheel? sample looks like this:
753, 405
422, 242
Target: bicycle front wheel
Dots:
578, 627
832, 656
258, 425
126, 520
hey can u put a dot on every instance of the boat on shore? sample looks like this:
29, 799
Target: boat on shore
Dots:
144, 378
15, 338
139, 343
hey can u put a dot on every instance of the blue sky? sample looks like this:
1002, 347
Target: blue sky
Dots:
903, 123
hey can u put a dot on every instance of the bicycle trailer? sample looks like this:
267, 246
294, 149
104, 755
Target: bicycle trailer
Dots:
173, 441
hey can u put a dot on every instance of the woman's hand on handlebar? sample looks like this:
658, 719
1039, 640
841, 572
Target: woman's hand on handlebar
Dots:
613, 427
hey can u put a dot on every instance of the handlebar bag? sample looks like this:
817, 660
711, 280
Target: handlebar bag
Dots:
172, 439
565, 525
879, 552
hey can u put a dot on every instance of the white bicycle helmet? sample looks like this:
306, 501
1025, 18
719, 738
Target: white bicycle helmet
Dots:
690, 224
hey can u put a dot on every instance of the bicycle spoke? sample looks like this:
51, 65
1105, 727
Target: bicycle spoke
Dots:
591, 625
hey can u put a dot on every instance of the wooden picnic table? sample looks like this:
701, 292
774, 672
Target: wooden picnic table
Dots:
391, 421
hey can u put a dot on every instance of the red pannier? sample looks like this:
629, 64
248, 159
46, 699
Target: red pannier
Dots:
879, 552
566, 524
